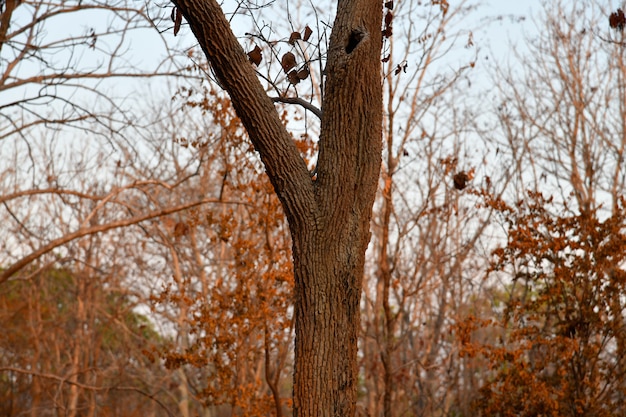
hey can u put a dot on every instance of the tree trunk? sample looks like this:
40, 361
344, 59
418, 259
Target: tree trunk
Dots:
329, 218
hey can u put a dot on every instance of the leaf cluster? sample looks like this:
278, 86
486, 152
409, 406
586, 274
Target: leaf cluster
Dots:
563, 326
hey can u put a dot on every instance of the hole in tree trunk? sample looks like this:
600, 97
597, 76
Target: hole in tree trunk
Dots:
356, 36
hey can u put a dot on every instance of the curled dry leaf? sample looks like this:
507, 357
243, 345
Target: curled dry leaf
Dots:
295, 77
388, 18
387, 32
293, 37
307, 33
255, 55
178, 20
288, 61
617, 20
303, 74
443, 5
460, 180
400, 68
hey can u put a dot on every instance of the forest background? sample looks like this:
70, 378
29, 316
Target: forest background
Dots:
146, 261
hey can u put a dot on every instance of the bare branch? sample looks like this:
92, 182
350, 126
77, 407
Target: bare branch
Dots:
85, 386
6, 274
301, 102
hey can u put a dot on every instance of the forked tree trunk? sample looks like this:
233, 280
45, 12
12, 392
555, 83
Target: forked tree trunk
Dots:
328, 218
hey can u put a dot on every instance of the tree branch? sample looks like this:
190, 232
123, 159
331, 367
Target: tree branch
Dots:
6, 274
285, 167
299, 101
63, 380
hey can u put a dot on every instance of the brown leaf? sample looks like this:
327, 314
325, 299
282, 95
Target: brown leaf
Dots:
617, 20
293, 77
181, 229
460, 180
400, 68
255, 55
387, 58
303, 74
288, 61
389, 5
178, 19
307, 33
294, 37
388, 19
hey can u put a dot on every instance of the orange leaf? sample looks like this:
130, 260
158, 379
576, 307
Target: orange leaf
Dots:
181, 229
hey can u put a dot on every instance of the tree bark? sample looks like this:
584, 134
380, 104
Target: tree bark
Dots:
329, 218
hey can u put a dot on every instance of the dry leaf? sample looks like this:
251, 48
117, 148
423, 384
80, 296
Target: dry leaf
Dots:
303, 74
307, 33
294, 37
178, 19
400, 68
181, 229
288, 61
255, 55
293, 77
460, 180
388, 18
617, 20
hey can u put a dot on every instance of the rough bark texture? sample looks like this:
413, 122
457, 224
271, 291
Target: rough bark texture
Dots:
329, 218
